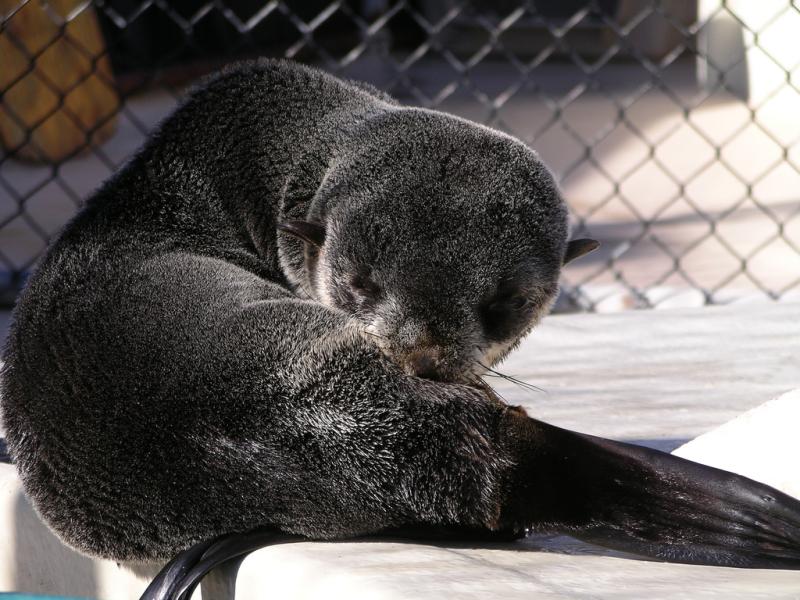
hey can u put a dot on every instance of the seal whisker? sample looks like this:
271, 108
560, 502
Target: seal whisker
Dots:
523, 384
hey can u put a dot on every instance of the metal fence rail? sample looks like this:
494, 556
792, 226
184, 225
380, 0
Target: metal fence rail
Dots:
671, 125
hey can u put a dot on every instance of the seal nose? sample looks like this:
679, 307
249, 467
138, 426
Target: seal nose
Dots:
424, 366
425, 363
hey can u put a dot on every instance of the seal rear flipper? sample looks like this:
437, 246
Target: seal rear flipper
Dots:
643, 501
179, 578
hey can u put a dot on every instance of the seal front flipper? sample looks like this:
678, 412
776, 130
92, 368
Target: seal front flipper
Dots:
643, 501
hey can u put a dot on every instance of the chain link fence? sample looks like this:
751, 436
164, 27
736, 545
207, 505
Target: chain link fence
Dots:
672, 125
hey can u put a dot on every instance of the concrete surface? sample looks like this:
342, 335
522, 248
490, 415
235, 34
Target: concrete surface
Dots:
761, 444
657, 377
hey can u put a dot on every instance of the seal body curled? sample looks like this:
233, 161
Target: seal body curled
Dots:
178, 367
275, 314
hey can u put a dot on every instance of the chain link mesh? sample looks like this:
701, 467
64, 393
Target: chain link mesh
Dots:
671, 126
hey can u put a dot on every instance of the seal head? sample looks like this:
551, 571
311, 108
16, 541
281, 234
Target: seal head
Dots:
443, 239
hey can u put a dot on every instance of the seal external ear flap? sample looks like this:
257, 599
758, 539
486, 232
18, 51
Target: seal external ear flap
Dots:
577, 248
313, 233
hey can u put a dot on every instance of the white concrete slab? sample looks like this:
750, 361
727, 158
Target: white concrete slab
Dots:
762, 444
656, 375
533, 569
662, 377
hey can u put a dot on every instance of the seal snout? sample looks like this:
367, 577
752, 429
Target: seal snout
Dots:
425, 362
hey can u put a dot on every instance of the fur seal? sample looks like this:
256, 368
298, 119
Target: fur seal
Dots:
275, 314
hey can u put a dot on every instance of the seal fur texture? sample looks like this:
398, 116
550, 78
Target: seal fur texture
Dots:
229, 336
167, 377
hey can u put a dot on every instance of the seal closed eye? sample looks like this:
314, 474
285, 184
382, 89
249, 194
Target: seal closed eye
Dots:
274, 316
